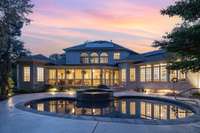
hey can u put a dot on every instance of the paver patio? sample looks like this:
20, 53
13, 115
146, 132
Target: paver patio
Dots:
13, 120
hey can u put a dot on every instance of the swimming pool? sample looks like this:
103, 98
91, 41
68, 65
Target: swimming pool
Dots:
139, 109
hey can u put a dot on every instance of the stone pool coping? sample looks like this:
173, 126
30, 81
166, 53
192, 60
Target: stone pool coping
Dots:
191, 119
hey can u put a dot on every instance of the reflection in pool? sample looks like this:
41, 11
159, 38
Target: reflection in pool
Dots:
120, 108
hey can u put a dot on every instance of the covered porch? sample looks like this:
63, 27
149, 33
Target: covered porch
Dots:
76, 76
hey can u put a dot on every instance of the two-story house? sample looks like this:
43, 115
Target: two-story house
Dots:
102, 63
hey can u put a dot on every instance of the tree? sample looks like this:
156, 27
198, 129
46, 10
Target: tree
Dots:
183, 43
13, 16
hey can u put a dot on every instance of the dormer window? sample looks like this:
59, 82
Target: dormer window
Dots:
116, 56
84, 58
104, 58
94, 58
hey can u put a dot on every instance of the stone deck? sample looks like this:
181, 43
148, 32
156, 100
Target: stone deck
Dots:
13, 120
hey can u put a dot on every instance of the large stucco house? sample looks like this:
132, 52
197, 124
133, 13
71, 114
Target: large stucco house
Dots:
102, 63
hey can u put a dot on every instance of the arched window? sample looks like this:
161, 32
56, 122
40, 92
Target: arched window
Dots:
94, 58
104, 58
84, 58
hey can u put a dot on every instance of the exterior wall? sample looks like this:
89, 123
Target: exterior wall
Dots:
33, 76
73, 57
22, 84
194, 79
153, 85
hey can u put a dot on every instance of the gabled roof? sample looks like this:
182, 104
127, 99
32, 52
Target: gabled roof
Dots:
157, 55
98, 45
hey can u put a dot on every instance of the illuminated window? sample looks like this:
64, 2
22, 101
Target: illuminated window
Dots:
61, 73
117, 56
88, 74
87, 77
177, 74
96, 73
40, 107
132, 74
52, 106
181, 75
94, 58
52, 73
181, 113
104, 58
96, 77
40, 74
142, 110
132, 108
148, 110
156, 73
173, 112
173, 74
123, 72
26, 74
123, 107
78, 74
84, 58
148, 73
70, 74
156, 111
163, 72
116, 77
163, 111
142, 74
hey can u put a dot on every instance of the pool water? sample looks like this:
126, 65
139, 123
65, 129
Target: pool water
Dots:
130, 108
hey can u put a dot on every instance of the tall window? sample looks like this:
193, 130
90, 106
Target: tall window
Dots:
70, 74
181, 75
132, 74
163, 72
88, 74
96, 73
156, 73
61, 73
52, 73
148, 73
142, 74
123, 72
40, 74
173, 74
116, 77
116, 55
26, 74
104, 58
132, 108
84, 58
78, 74
123, 107
94, 58
177, 74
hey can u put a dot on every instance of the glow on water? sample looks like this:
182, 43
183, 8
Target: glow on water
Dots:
119, 108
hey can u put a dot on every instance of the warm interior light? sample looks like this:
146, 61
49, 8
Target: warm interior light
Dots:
53, 90
70, 92
158, 91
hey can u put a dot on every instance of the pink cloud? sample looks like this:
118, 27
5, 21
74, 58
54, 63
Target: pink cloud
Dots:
103, 19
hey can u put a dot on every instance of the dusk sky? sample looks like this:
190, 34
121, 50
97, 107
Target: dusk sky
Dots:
59, 24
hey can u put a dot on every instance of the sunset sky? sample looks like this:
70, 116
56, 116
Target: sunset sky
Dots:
59, 24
